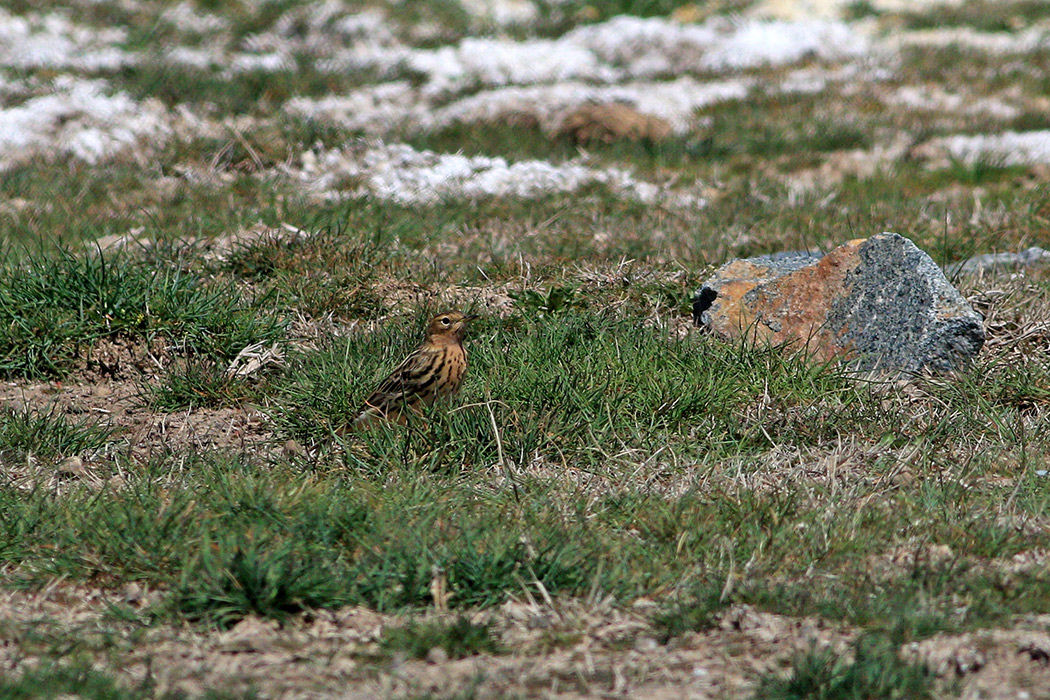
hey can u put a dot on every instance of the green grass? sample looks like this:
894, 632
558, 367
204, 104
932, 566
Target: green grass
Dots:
49, 435
248, 92
875, 671
238, 576
53, 308
55, 679
367, 523
572, 381
983, 16
459, 639
191, 190
601, 452
200, 383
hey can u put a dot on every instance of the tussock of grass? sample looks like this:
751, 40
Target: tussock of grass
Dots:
53, 308
875, 671
49, 435
459, 639
80, 678
229, 581
200, 383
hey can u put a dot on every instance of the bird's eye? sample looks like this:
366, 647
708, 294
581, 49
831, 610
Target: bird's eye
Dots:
445, 321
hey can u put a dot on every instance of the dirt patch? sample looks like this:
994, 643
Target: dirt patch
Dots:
140, 431
559, 650
408, 297
607, 123
990, 664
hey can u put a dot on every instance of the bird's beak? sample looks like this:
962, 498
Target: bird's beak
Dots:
470, 317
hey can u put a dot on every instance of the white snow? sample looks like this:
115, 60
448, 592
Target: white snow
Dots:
192, 57
831, 9
937, 99
644, 47
502, 13
53, 41
675, 101
756, 44
266, 62
382, 108
613, 61
623, 47
399, 173
968, 38
370, 25
1007, 148
489, 62
185, 17
80, 120
375, 109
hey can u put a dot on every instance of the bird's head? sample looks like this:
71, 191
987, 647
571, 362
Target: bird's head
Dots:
448, 327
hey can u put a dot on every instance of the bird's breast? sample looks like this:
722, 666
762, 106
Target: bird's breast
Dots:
455, 366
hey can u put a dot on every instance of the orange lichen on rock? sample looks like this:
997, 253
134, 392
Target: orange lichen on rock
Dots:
880, 301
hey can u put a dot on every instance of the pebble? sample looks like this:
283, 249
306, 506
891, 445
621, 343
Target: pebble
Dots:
73, 466
436, 656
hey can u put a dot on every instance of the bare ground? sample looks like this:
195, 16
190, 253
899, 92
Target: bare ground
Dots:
565, 650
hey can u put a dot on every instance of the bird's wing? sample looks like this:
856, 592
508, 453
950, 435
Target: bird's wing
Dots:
402, 385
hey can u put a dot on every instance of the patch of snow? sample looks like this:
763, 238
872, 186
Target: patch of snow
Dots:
382, 108
812, 80
186, 18
399, 173
374, 110
1007, 148
834, 9
53, 41
911, 5
370, 25
645, 47
968, 38
1029, 257
675, 101
502, 13
936, 98
264, 63
623, 47
489, 62
79, 120
755, 44
192, 57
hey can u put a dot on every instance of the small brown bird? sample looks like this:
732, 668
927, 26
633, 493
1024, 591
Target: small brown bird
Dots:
433, 371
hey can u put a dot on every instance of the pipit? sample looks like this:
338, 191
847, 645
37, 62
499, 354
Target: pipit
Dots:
433, 371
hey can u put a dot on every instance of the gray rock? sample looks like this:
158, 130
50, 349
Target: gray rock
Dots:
879, 303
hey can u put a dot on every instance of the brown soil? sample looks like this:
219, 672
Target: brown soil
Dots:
564, 650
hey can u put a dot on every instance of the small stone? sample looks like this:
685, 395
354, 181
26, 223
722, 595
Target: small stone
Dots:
101, 391
436, 656
644, 645
133, 594
878, 304
252, 634
72, 466
1030, 257
292, 450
